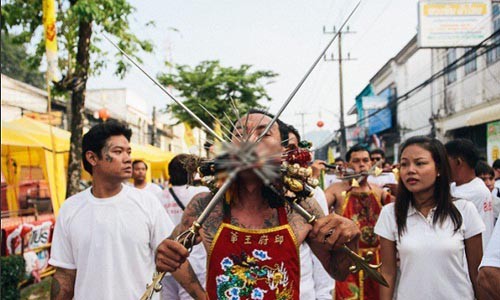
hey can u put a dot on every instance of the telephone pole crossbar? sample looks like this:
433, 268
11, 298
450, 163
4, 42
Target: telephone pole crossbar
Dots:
340, 59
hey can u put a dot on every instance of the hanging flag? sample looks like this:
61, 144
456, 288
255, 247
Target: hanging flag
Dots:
218, 130
331, 157
188, 135
49, 25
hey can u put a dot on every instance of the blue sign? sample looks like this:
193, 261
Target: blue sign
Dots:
378, 105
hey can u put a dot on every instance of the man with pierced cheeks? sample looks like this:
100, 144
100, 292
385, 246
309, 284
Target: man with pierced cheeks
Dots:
252, 240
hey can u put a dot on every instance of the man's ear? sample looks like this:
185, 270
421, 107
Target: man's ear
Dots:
92, 158
460, 161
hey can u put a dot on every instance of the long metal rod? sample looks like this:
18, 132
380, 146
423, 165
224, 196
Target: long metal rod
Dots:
278, 114
192, 114
188, 237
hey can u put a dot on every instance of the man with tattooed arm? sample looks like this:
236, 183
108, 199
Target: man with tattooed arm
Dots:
252, 238
105, 236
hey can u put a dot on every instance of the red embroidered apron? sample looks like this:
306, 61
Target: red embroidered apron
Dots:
254, 263
364, 209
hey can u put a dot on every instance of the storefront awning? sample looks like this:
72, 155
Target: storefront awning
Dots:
484, 113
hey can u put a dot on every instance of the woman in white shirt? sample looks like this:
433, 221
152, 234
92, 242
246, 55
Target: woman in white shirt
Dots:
436, 238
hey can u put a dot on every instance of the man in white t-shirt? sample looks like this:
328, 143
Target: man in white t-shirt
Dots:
105, 237
139, 170
315, 283
174, 200
488, 278
496, 168
463, 157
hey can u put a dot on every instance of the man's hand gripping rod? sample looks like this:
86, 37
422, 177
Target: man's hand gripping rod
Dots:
360, 263
188, 237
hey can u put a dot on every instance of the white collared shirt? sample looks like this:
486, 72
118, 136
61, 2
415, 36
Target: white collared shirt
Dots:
433, 263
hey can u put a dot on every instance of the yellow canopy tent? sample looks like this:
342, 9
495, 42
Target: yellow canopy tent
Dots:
26, 142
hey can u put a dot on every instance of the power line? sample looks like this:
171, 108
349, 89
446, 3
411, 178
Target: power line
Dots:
453, 66
449, 68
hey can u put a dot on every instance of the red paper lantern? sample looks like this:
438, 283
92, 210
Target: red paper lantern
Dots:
103, 114
320, 124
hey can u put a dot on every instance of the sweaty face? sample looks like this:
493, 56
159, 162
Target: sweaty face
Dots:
115, 160
418, 170
360, 161
139, 171
250, 127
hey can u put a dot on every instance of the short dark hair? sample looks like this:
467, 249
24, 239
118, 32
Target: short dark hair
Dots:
378, 151
496, 164
294, 131
177, 170
464, 149
442, 195
355, 148
282, 126
138, 161
95, 139
482, 167
339, 159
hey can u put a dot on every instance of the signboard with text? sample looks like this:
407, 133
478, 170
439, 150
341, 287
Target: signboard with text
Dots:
493, 141
453, 23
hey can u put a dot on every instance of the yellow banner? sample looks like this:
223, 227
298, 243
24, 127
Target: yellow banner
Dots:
455, 9
188, 135
49, 25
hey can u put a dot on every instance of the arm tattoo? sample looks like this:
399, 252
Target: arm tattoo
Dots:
186, 277
335, 270
63, 284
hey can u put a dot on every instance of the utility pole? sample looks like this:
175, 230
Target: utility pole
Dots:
153, 130
343, 141
302, 114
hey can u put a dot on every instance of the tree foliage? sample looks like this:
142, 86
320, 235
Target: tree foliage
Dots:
213, 86
79, 24
15, 63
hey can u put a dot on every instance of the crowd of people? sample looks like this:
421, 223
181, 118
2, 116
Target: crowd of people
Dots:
429, 220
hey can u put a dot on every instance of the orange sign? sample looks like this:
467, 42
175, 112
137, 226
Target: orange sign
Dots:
55, 117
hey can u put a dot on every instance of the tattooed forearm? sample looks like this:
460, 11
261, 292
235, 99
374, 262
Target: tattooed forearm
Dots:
63, 284
186, 277
339, 265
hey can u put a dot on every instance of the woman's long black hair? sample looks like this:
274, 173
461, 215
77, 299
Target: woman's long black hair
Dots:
442, 195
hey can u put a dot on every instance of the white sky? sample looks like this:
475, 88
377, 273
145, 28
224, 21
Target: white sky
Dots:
278, 35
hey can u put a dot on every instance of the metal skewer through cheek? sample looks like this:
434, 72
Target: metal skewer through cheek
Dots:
188, 237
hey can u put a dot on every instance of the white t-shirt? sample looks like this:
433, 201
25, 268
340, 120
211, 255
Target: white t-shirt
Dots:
110, 242
476, 192
495, 196
154, 189
330, 179
315, 282
198, 256
185, 193
491, 257
382, 179
432, 257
